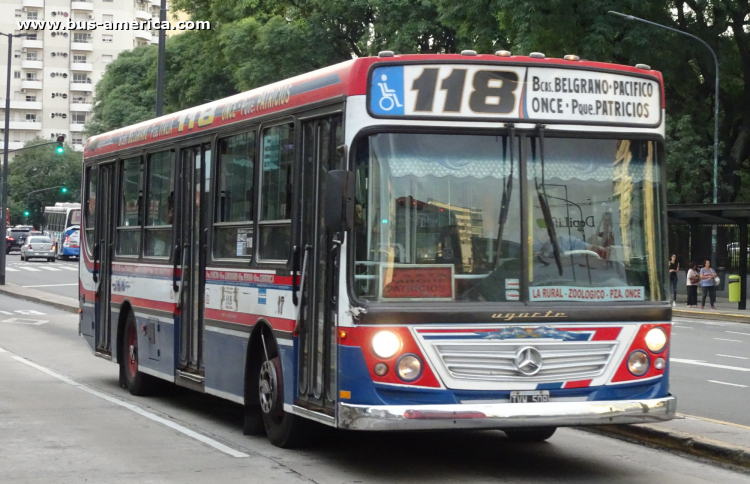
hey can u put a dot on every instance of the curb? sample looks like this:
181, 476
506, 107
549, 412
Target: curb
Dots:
695, 445
58, 302
734, 318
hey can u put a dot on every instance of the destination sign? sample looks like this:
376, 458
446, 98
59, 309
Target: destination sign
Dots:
536, 94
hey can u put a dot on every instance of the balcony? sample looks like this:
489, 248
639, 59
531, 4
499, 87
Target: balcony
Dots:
84, 6
31, 64
77, 146
143, 35
76, 128
84, 46
26, 125
32, 44
82, 86
26, 105
82, 66
31, 84
142, 15
33, 3
83, 107
13, 145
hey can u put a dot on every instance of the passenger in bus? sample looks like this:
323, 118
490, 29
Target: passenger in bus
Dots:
170, 208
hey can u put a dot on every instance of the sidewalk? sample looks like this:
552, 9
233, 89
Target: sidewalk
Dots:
717, 441
725, 311
60, 302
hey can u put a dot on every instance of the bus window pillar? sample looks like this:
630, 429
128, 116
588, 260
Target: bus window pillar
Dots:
743, 265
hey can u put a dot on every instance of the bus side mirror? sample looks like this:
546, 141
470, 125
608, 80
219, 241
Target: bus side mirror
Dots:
338, 208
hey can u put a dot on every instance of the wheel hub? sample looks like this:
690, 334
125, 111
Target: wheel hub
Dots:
268, 386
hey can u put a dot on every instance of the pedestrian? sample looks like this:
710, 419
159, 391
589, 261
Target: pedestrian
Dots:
693, 278
708, 284
674, 268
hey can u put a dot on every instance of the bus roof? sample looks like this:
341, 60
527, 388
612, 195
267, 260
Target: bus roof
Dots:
63, 206
338, 81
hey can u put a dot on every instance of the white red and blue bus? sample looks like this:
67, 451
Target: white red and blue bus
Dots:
62, 224
393, 243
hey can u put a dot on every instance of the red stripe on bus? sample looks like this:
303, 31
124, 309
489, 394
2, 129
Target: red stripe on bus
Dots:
145, 303
578, 384
245, 319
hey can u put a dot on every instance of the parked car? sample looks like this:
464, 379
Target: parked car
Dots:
15, 238
38, 246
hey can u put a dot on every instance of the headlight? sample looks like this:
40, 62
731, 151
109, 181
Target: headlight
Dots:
409, 368
656, 339
386, 344
638, 363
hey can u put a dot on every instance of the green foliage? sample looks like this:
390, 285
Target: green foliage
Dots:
38, 168
256, 42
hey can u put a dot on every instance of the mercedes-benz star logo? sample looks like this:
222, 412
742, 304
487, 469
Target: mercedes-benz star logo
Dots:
528, 361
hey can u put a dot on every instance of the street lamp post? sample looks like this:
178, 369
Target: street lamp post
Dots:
716, 113
4, 198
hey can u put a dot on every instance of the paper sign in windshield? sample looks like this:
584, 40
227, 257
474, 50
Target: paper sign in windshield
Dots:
433, 282
587, 294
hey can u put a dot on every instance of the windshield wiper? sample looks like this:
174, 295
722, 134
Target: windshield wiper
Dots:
508, 190
542, 194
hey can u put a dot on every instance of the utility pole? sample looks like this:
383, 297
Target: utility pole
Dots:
716, 114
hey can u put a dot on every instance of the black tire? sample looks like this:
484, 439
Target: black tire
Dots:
534, 434
137, 382
22, 258
51, 259
283, 429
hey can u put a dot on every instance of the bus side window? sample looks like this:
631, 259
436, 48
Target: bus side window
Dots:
131, 208
233, 232
89, 205
160, 204
275, 223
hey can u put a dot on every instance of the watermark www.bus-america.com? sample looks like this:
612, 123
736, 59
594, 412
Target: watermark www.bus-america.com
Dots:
70, 24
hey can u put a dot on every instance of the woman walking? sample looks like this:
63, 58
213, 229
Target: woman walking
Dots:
674, 268
693, 278
708, 284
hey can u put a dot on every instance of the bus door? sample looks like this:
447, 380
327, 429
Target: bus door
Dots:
319, 256
103, 250
195, 167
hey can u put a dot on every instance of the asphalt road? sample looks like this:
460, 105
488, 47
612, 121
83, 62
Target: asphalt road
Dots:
710, 369
63, 419
60, 277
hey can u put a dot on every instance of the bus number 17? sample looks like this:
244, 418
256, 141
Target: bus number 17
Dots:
493, 91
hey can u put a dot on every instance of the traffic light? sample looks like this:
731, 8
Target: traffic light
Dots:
26, 213
64, 189
60, 148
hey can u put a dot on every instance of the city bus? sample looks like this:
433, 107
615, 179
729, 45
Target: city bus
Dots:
62, 224
398, 242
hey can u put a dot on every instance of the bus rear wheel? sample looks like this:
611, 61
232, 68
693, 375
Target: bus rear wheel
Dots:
283, 429
534, 434
137, 383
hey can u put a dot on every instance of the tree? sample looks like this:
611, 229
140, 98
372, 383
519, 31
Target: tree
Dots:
39, 168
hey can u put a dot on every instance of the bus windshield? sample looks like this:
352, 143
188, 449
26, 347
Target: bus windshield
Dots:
75, 217
438, 218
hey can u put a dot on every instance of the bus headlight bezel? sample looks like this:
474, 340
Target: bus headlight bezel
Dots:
656, 339
385, 344
409, 363
638, 358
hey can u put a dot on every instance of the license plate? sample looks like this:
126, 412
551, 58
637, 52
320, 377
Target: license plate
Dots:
530, 396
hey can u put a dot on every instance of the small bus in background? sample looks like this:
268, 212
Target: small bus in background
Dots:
62, 224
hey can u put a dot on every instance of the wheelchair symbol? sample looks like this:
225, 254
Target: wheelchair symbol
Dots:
389, 99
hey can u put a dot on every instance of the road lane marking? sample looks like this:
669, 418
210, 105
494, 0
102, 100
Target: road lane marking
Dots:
10, 269
730, 356
732, 340
134, 408
737, 332
710, 365
725, 383
32, 269
3, 350
52, 269
53, 285
715, 421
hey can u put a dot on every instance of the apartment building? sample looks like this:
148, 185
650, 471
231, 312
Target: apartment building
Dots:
54, 71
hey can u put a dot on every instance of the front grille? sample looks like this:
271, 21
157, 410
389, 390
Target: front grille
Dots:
493, 361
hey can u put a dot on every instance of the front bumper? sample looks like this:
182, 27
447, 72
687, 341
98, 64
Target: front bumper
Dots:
505, 415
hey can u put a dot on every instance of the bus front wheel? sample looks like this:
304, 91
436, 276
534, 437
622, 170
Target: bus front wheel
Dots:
534, 434
282, 428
